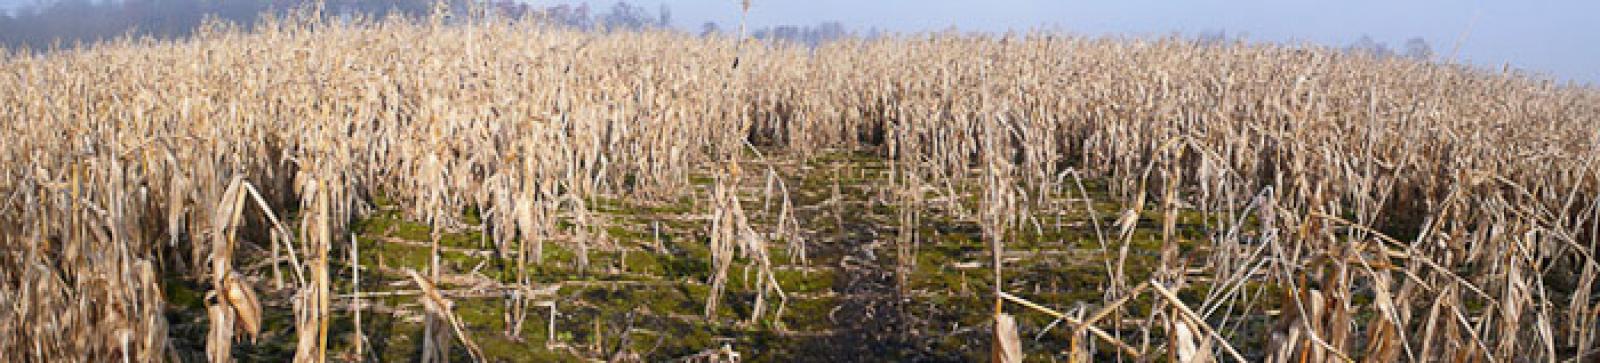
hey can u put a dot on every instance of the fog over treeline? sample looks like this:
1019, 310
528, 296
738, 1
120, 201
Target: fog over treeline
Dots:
68, 23
71, 23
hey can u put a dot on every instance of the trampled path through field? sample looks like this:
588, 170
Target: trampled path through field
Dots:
643, 293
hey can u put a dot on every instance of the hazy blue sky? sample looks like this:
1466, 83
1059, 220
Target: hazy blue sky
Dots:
1559, 37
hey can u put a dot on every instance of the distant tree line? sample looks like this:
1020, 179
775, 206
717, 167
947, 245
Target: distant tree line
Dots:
620, 16
811, 36
67, 23
1414, 48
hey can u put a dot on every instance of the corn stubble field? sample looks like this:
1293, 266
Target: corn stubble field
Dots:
508, 191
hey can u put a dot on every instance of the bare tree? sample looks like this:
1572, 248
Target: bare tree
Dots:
664, 17
1418, 48
1213, 37
710, 28
1367, 45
